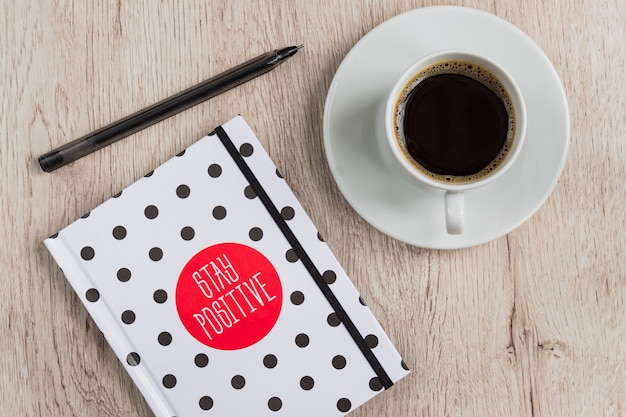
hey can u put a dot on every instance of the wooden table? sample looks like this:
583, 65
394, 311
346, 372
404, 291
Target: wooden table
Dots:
531, 324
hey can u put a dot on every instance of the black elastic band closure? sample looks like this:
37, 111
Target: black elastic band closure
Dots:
304, 257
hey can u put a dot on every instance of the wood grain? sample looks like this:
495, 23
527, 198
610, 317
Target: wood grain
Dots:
531, 324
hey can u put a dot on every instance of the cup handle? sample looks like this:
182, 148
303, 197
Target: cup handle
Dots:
455, 212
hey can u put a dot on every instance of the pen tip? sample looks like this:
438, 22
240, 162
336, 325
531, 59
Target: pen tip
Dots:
300, 46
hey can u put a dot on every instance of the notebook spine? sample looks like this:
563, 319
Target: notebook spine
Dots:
104, 318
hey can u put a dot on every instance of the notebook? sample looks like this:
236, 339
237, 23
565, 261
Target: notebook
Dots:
218, 294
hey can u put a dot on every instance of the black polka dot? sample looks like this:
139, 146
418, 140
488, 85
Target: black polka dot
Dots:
156, 254
169, 381
215, 170
165, 338
151, 212
119, 232
371, 341
249, 192
339, 362
275, 404
187, 233
333, 320
128, 317
160, 296
206, 402
123, 274
238, 382
329, 277
306, 383
87, 253
219, 212
256, 234
246, 149
133, 359
270, 361
344, 405
183, 191
287, 213
375, 384
291, 256
92, 295
302, 340
297, 297
201, 360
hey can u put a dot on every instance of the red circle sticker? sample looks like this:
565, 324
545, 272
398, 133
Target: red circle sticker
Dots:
229, 296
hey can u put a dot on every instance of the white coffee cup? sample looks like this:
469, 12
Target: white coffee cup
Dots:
453, 187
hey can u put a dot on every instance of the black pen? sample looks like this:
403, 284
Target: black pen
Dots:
164, 109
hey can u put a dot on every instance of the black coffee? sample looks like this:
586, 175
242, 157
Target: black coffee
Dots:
455, 121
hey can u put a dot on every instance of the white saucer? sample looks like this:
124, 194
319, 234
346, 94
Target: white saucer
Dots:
352, 134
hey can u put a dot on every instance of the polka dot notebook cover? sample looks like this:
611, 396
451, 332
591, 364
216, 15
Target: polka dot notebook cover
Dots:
218, 294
